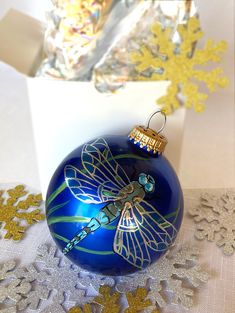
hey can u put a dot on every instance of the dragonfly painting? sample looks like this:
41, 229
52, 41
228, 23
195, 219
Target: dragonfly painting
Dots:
101, 180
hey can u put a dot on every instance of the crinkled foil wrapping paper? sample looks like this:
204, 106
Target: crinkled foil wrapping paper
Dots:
94, 41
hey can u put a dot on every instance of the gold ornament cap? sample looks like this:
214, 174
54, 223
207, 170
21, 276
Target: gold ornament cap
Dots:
148, 139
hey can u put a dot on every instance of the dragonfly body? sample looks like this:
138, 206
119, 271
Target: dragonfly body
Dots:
129, 195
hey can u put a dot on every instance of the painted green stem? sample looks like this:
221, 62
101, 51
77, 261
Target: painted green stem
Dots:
57, 207
68, 219
56, 193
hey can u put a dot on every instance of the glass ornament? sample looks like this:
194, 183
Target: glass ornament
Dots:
114, 205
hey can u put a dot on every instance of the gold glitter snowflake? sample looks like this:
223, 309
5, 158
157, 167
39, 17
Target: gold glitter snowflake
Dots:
161, 59
17, 207
137, 301
109, 302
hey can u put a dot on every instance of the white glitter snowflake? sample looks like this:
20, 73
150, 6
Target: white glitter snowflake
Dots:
62, 276
50, 277
54, 307
94, 281
175, 269
67, 278
12, 289
60, 284
215, 218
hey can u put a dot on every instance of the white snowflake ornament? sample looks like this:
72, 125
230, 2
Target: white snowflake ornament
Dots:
55, 280
12, 289
62, 278
177, 267
215, 220
55, 307
51, 279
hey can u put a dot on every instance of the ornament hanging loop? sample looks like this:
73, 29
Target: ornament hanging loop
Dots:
164, 122
148, 139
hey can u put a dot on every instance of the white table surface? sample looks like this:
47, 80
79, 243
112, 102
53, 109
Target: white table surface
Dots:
208, 154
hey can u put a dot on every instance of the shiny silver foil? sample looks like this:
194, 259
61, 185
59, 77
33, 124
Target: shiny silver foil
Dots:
103, 40
68, 55
116, 66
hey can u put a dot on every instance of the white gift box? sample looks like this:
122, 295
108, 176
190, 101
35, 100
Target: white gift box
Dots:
68, 114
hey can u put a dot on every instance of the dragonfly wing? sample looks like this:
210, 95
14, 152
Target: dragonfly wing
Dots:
156, 230
98, 161
85, 188
127, 242
140, 229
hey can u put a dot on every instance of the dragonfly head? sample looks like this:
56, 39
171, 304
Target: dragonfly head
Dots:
147, 182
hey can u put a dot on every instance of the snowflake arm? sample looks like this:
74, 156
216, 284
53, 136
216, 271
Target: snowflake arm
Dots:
137, 301
180, 294
108, 300
14, 230
194, 275
174, 268
33, 298
47, 256
215, 220
205, 211
212, 79
12, 288
210, 53
189, 36
15, 194
13, 211
227, 242
193, 98
145, 60
162, 60
86, 281
205, 230
170, 101
54, 308
162, 40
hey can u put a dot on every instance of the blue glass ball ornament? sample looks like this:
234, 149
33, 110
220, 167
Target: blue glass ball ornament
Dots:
115, 205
